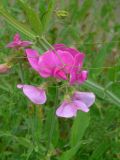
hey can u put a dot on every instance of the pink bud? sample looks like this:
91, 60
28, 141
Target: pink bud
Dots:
4, 68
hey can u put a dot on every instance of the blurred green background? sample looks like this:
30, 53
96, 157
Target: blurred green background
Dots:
91, 26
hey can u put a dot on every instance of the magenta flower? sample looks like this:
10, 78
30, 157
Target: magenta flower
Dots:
35, 94
17, 42
61, 63
79, 101
50, 64
76, 74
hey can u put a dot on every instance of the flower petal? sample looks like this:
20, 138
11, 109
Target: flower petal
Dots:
33, 58
76, 75
86, 97
60, 74
62, 47
16, 37
35, 94
47, 63
81, 105
78, 62
66, 110
67, 60
82, 77
26, 43
11, 45
59, 46
17, 42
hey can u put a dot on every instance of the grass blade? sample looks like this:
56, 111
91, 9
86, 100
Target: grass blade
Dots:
22, 28
48, 14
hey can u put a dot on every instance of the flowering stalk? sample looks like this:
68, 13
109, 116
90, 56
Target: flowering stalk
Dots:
53, 122
61, 63
21, 72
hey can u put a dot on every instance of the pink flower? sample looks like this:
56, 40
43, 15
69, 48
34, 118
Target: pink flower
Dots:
17, 42
35, 94
61, 63
76, 74
79, 101
4, 68
49, 64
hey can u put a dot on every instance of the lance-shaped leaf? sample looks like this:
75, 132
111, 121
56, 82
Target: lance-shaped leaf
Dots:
46, 18
32, 16
79, 127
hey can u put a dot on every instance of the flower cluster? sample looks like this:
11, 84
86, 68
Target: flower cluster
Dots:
61, 63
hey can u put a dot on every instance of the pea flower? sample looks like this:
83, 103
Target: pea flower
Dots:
79, 101
35, 94
62, 63
17, 42
4, 68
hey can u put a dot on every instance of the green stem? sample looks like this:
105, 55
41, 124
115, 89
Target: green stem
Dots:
52, 123
21, 72
102, 93
40, 41
16, 24
47, 43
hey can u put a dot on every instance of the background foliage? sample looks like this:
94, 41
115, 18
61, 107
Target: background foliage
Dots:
92, 27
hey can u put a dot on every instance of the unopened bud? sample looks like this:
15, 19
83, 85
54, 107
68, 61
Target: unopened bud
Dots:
4, 68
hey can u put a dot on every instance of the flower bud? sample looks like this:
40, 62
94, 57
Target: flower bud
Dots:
4, 68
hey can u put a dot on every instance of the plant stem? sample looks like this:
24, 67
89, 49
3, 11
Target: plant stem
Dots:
102, 93
21, 72
16, 24
52, 122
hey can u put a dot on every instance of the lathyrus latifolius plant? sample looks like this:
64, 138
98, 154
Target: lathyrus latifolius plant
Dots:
63, 64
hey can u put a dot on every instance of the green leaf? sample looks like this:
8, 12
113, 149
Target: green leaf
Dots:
37, 124
32, 16
79, 127
42, 7
22, 28
68, 155
48, 14
55, 132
